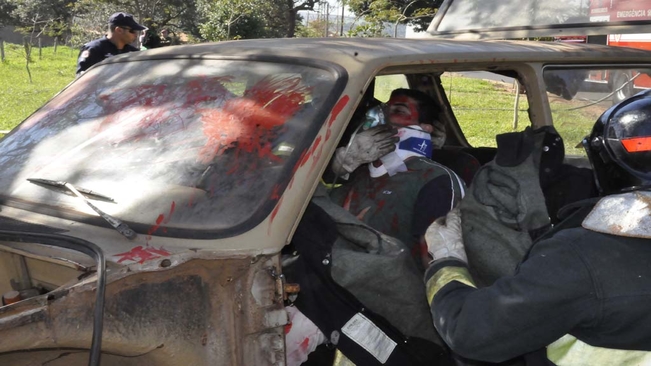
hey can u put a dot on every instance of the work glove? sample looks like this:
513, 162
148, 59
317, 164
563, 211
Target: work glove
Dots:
444, 238
438, 134
366, 147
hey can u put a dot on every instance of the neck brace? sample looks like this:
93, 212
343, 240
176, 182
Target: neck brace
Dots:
627, 214
413, 142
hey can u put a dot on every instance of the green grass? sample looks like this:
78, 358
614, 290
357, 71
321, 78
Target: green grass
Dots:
18, 97
485, 108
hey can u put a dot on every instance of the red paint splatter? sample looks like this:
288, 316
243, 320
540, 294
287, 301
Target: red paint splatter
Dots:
141, 255
275, 192
252, 122
395, 223
161, 220
316, 156
155, 227
169, 214
288, 328
338, 108
303, 346
381, 204
275, 211
335, 113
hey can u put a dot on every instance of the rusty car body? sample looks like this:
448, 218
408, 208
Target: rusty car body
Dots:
143, 209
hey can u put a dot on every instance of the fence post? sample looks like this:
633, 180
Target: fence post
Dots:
516, 104
40, 49
56, 43
2, 50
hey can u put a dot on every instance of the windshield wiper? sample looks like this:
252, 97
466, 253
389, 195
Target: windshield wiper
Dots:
82, 193
61, 187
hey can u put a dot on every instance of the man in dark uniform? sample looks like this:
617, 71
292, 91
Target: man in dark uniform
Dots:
123, 30
581, 296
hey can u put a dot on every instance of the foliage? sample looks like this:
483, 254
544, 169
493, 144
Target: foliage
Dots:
239, 19
6, 8
293, 7
415, 12
91, 16
371, 29
18, 97
36, 17
231, 19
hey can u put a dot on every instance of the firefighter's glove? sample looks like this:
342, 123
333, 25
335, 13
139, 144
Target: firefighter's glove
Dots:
444, 238
365, 147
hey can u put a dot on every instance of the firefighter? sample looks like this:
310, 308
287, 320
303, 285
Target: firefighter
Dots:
583, 291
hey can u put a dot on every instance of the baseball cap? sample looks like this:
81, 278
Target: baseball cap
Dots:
125, 20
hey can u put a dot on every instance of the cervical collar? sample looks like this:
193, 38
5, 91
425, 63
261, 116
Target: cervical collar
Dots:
413, 142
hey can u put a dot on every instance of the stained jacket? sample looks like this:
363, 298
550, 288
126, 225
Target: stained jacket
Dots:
581, 293
405, 204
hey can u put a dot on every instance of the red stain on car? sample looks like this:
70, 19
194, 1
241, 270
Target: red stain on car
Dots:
335, 113
142, 255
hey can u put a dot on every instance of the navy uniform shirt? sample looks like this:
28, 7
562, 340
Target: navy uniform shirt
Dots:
96, 51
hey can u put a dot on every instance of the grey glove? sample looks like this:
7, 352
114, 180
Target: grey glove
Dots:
438, 134
366, 146
444, 238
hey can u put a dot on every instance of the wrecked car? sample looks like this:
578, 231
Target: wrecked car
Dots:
144, 208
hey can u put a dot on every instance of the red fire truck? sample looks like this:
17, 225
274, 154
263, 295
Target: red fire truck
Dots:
622, 83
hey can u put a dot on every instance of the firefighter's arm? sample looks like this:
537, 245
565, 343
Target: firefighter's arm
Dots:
550, 295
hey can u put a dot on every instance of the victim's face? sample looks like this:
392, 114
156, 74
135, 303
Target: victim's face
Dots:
402, 111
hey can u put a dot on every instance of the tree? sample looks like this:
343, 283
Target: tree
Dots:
294, 7
418, 13
91, 16
36, 17
231, 19
6, 8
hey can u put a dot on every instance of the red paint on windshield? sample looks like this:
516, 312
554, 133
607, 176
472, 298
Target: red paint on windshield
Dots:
160, 220
252, 123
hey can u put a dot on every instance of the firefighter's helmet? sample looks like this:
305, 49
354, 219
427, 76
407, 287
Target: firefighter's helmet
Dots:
619, 147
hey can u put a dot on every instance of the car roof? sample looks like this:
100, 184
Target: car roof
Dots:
351, 52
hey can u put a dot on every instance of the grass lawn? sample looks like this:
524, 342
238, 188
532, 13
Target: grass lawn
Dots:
18, 97
485, 108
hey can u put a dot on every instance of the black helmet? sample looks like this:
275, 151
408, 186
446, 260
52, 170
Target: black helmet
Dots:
619, 147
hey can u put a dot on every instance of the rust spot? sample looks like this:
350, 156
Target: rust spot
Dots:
290, 289
615, 228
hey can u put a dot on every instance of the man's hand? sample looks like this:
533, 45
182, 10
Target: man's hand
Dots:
366, 146
444, 238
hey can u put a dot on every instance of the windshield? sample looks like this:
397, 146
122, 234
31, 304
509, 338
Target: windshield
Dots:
188, 144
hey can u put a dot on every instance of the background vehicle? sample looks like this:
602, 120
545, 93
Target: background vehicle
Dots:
210, 153
622, 84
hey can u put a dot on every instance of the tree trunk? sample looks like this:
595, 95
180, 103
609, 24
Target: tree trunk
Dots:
291, 20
